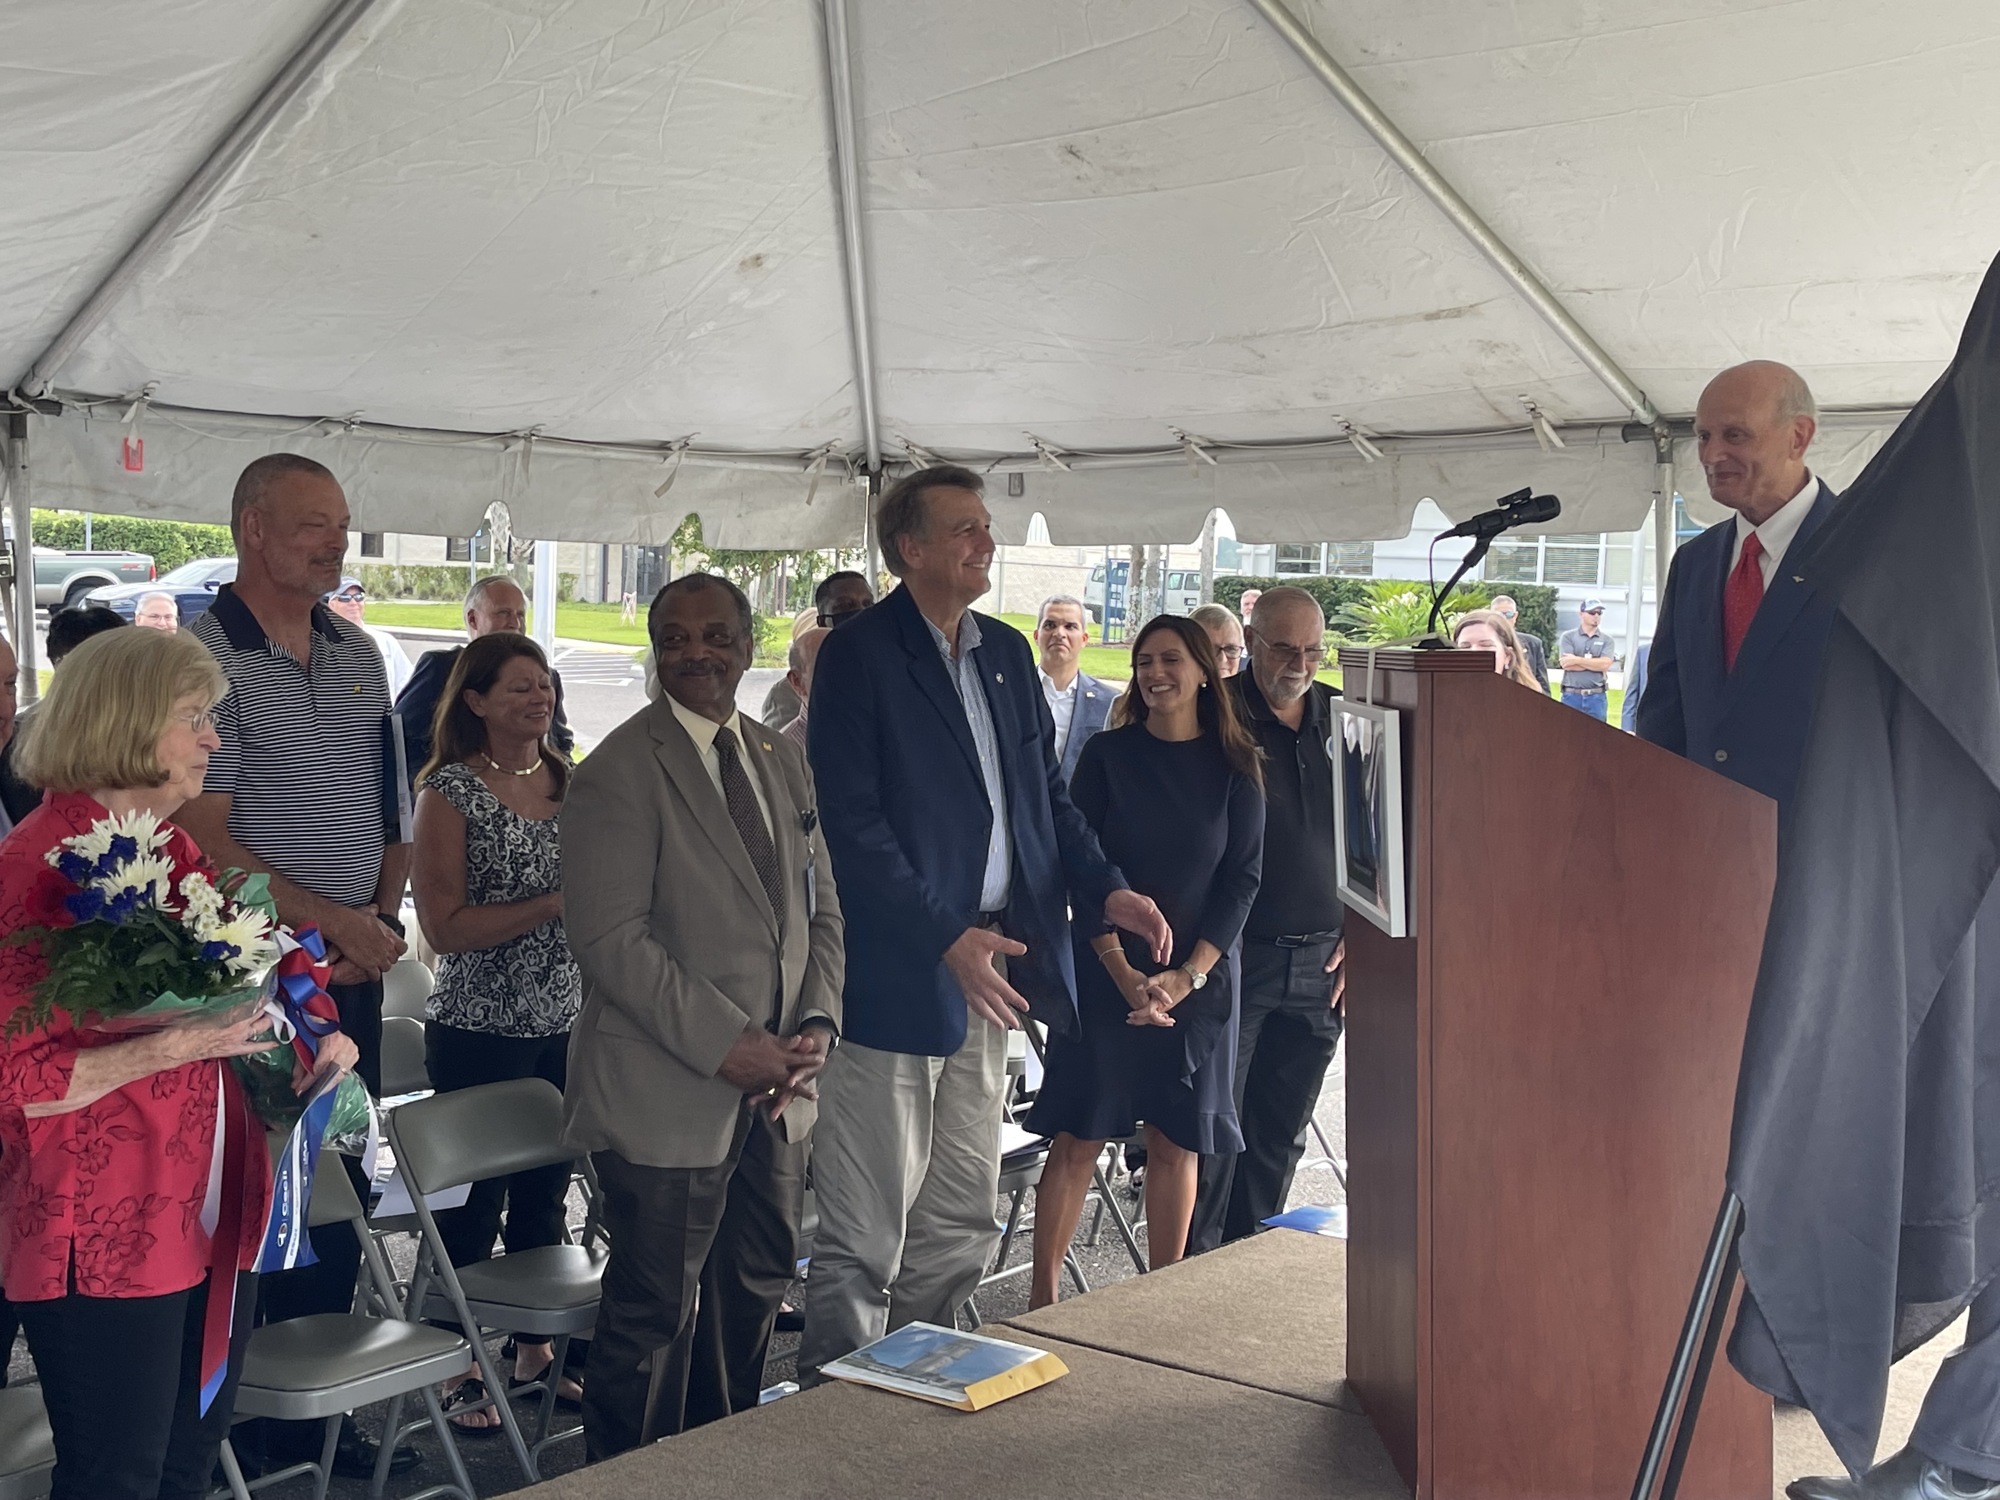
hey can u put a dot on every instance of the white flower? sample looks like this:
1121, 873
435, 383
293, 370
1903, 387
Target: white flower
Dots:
149, 875
200, 900
249, 932
92, 845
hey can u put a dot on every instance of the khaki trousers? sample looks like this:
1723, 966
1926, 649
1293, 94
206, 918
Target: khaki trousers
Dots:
906, 1172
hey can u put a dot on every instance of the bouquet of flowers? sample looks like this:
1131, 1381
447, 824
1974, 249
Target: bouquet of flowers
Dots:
131, 946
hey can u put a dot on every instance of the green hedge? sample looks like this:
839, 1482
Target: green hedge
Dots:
1336, 595
168, 543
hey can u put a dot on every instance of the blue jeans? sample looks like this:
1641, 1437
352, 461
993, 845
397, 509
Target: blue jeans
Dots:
1597, 705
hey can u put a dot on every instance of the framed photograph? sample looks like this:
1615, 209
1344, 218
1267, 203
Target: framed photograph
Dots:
1366, 749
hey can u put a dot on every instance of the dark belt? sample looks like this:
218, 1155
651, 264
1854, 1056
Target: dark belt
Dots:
1298, 939
1568, 689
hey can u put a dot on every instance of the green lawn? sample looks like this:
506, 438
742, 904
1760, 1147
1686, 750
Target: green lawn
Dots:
574, 622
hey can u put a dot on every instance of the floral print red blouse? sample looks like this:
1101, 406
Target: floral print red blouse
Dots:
106, 1201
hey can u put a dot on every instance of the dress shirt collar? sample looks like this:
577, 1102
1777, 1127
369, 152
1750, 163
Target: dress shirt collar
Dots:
968, 636
1776, 534
1052, 692
701, 729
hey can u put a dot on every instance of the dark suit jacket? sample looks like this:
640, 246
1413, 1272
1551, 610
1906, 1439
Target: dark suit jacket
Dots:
417, 705
907, 823
1749, 724
1093, 704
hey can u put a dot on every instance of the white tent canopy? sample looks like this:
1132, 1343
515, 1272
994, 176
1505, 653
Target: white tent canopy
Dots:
559, 254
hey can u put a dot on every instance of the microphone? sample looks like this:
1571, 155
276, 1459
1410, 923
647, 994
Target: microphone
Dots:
1522, 508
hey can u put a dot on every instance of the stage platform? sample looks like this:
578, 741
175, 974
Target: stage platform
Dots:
1218, 1377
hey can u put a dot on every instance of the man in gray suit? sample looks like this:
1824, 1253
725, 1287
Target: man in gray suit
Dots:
1078, 702
700, 903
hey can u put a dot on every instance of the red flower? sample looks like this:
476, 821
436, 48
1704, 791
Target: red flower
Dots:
43, 901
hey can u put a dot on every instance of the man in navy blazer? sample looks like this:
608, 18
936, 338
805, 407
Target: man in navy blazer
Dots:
1736, 654
1078, 703
960, 858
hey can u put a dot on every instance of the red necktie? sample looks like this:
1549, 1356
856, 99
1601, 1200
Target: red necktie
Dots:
1740, 598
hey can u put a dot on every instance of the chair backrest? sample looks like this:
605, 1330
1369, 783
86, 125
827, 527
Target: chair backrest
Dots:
403, 1068
333, 1196
468, 1135
406, 988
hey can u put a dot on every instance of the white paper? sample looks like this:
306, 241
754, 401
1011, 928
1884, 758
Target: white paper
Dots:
396, 1202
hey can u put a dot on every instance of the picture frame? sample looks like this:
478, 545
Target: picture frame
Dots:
1366, 751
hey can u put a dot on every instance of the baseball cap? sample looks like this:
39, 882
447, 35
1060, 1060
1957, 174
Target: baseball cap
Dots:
1592, 607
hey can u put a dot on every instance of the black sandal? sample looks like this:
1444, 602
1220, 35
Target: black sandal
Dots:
461, 1399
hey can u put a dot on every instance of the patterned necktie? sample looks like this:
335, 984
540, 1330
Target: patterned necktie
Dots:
1740, 598
749, 822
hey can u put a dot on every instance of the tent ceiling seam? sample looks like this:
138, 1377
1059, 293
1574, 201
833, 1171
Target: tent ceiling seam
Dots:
802, 461
1403, 151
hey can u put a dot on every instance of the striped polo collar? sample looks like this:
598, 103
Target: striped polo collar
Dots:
240, 627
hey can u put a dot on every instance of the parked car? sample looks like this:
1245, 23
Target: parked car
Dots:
1183, 592
193, 585
63, 578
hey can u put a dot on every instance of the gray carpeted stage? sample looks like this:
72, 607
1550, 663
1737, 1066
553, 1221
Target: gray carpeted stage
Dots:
1219, 1377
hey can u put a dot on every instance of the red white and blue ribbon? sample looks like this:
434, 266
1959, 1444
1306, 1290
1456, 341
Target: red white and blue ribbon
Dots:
302, 1015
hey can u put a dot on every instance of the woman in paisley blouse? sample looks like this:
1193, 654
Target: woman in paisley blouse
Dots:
116, 1155
488, 885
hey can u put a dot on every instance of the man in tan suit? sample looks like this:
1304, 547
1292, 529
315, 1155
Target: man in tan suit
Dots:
700, 903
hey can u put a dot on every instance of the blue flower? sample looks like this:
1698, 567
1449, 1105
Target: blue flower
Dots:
120, 907
124, 849
75, 868
85, 904
216, 953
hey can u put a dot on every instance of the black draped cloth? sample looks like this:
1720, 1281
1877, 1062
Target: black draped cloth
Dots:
1867, 1138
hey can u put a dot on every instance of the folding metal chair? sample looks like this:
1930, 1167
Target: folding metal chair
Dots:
406, 988
1020, 1170
27, 1448
403, 1068
469, 1135
1101, 1183
323, 1366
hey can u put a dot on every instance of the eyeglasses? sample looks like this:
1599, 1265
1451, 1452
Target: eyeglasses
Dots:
1229, 653
204, 719
1305, 656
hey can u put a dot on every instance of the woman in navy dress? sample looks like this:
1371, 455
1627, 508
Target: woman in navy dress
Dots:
1175, 792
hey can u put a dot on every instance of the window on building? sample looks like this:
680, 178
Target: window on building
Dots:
1686, 528
1548, 559
1301, 558
1351, 559
1517, 561
371, 544
458, 549
1568, 559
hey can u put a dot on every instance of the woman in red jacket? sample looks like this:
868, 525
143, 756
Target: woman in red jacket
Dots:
133, 1176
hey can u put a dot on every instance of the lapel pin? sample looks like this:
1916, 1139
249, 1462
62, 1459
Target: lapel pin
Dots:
767, 747
1798, 578
999, 676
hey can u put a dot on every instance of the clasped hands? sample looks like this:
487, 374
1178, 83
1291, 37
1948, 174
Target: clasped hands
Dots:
1151, 997
359, 945
970, 957
776, 1069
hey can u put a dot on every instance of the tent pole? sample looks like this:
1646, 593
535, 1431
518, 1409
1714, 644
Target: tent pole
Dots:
546, 588
847, 189
1403, 151
18, 505
227, 155
1663, 511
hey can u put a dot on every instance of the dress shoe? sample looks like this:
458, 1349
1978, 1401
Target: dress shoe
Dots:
1906, 1476
354, 1455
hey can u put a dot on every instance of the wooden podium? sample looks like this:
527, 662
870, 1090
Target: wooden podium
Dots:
1539, 1087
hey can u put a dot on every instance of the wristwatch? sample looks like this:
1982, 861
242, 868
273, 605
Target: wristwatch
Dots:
1196, 978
